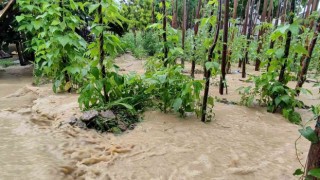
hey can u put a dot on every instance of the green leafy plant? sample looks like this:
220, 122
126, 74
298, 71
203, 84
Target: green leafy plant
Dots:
273, 94
134, 45
173, 90
7, 63
59, 49
311, 135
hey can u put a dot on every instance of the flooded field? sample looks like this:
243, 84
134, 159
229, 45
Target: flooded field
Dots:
36, 142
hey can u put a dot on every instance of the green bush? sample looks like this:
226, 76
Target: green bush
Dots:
133, 44
273, 94
150, 42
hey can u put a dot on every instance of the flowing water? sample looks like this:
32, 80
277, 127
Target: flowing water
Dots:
24, 153
23, 148
241, 143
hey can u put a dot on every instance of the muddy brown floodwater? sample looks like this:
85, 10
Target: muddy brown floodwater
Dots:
23, 148
240, 143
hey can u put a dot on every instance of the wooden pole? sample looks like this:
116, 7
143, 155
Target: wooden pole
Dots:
225, 47
244, 29
164, 34
207, 71
184, 27
261, 31
306, 59
275, 27
246, 59
288, 43
196, 29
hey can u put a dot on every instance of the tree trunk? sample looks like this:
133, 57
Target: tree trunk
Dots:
190, 12
270, 10
152, 13
315, 5
313, 160
245, 24
235, 6
275, 27
174, 16
308, 9
208, 71
246, 60
284, 12
261, 32
288, 42
184, 27
244, 28
234, 17
225, 47
314, 8
20, 54
196, 29
257, 16
210, 30
164, 34
306, 59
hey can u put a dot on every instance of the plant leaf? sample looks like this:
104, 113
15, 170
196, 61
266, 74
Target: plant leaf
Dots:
298, 172
314, 172
177, 104
309, 134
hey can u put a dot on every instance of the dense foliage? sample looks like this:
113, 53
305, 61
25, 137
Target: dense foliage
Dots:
75, 43
280, 51
73, 63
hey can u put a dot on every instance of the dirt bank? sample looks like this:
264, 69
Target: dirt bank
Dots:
241, 143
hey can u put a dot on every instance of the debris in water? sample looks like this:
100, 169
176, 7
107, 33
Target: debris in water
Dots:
107, 114
89, 115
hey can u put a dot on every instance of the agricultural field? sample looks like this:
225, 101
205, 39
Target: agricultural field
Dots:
159, 89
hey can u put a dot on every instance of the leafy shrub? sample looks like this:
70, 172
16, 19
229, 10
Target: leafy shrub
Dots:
59, 49
174, 91
274, 94
168, 88
6, 63
150, 42
133, 44
146, 43
123, 90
